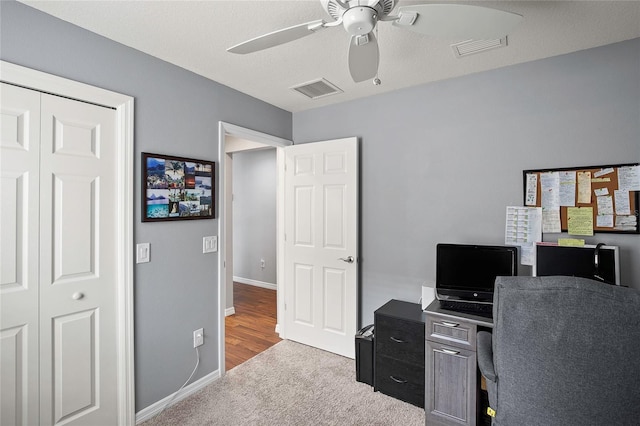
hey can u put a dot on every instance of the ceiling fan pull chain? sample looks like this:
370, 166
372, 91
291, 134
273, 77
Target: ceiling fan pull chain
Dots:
376, 80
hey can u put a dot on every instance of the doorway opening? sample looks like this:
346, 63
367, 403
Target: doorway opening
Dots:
251, 300
250, 305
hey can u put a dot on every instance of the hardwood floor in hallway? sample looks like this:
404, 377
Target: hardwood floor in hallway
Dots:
251, 329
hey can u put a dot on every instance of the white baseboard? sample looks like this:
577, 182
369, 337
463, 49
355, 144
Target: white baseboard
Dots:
229, 311
256, 283
153, 409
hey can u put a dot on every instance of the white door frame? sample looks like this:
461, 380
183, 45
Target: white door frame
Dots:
224, 130
123, 105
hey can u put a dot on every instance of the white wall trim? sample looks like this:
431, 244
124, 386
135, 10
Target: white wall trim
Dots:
154, 409
280, 242
229, 311
224, 130
255, 283
37, 80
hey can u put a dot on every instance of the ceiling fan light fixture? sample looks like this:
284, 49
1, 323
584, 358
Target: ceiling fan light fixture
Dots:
359, 20
470, 47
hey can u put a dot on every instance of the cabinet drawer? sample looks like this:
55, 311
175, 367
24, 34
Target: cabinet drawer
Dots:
451, 331
450, 385
401, 339
400, 380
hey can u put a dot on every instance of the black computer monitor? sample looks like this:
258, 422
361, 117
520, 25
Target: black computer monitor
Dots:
468, 271
600, 263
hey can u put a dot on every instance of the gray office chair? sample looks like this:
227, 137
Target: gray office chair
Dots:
564, 351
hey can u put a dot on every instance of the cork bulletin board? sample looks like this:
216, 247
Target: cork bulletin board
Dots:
609, 194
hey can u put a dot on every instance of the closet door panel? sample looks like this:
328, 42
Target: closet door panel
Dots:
78, 229
76, 392
74, 228
19, 175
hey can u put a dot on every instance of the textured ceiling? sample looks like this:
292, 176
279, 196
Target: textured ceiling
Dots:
195, 35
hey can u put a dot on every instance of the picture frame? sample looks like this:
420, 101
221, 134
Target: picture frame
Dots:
177, 188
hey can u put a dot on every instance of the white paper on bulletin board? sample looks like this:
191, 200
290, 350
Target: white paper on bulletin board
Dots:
523, 228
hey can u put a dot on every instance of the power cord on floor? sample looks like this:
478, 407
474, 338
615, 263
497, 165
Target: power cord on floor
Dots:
182, 387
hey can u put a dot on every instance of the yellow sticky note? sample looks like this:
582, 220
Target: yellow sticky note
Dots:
570, 242
491, 412
580, 220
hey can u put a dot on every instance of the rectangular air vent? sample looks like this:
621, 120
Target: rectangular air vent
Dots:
470, 47
317, 89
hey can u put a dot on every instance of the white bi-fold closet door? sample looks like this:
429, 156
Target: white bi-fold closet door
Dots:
58, 325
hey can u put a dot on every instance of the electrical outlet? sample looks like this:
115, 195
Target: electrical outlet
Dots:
198, 337
262, 264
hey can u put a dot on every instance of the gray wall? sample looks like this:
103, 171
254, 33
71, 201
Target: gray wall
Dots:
176, 112
440, 162
254, 215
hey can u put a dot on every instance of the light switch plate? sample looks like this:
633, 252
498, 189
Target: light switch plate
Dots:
143, 254
209, 244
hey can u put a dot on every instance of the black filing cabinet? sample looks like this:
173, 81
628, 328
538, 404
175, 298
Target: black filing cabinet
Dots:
399, 351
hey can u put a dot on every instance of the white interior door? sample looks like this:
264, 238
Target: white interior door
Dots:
321, 244
78, 263
19, 172
63, 263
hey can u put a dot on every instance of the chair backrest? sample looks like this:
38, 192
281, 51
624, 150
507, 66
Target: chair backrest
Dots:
566, 351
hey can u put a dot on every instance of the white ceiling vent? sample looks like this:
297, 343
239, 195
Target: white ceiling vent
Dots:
470, 47
317, 89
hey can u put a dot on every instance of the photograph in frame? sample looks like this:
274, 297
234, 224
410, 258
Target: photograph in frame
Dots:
176, 188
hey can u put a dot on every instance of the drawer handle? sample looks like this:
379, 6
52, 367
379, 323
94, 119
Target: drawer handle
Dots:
401, 381
448, 351
397, 340
449, 324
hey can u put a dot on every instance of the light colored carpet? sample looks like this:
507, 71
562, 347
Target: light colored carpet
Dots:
290, 384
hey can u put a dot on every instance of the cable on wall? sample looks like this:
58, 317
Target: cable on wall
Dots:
183, 385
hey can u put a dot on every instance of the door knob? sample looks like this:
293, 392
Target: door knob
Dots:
77, 295
349, 259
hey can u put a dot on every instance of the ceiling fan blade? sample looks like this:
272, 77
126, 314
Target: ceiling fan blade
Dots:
457, 21
363, 57
279, 37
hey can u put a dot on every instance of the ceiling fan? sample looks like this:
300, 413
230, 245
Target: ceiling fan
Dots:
360, 17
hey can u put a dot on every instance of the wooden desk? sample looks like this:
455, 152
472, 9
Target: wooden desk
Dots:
452, 394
